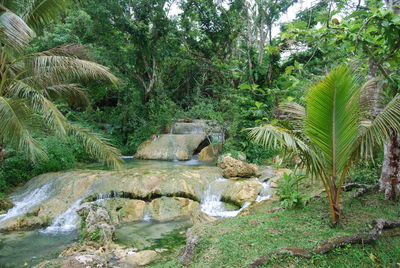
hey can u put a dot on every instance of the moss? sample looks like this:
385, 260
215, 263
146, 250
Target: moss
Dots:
5, 204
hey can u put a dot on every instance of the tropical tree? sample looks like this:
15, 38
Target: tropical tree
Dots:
332, 131
31, 82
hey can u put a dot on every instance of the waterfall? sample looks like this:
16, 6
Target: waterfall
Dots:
265, 192
26, 201
147, 215
66, 222
213, 206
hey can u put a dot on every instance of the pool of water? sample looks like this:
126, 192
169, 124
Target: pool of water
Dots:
26, 249
133, 163
148, 234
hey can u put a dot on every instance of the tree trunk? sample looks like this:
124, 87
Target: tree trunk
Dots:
389, 182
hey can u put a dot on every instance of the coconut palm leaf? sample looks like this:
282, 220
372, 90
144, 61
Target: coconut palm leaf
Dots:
17, 124
65, 68
372, 98
96, 145
379, 130
288, 143
332, 121
292, 111
51, 116
15, 34
52, 88
39, 13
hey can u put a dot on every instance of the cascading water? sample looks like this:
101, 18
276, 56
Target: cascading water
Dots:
211, 203
66, 222
147, 215
24, 202
265, 192
213, 206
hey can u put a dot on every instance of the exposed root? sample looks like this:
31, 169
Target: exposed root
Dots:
341, 241
188, 251
361, 189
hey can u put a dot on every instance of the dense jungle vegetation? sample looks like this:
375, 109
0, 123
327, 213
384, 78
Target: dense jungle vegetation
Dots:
309, 88
228, 61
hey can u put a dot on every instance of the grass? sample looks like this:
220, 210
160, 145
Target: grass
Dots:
237, 242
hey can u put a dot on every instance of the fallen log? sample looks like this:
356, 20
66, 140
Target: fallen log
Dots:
341, 241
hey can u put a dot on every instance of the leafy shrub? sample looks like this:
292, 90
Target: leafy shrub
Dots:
18, 168
60, 156
204, 109
288, 190
366, 173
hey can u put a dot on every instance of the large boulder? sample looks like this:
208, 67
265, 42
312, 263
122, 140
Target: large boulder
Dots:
210, 152
26, 222
234, 168
170, 147
242, 191
172, 208
137, 259
124, 210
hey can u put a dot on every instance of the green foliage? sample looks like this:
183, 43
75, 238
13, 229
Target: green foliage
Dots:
288, 190
15, 170
158, 114
94, 236
366, 172
19, 168
60, 156
326, 133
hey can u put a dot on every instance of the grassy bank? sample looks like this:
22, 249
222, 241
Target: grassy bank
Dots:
238, 242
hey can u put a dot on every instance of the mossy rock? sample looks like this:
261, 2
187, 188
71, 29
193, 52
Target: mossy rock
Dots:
5, 205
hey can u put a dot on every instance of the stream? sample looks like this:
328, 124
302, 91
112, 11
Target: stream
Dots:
31, 247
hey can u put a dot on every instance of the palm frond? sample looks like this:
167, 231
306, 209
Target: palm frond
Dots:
292, 111
51, 88
372, 97
72, 93
69, 50
68, 69
39, 13
378, 131
50, 114
17, 124
15, 34
97, 146
285, 141
332, 121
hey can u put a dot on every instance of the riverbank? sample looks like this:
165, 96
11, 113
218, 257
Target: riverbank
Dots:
241, 241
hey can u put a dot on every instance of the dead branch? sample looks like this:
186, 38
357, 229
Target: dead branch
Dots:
341, 241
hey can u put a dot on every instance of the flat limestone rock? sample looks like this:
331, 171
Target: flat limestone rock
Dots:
170, 147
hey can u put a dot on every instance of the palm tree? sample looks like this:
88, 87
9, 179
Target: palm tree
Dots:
30, 82
332, 131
